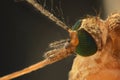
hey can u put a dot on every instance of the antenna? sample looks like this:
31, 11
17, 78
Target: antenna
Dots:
45, 12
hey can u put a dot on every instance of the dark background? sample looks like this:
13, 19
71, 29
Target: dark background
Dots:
26, 34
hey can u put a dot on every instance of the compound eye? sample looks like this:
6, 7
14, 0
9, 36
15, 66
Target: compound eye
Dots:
87, 45
77, 25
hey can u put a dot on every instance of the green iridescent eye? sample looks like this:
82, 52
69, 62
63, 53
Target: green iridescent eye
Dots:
87, 45
77, 25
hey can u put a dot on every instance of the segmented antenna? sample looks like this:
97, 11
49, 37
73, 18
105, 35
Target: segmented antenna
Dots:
45, 12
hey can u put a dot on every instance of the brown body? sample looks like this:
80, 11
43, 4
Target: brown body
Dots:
105, 64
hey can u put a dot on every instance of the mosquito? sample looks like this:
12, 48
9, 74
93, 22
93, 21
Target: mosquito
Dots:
80, 42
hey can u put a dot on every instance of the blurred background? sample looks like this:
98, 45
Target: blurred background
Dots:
26, 34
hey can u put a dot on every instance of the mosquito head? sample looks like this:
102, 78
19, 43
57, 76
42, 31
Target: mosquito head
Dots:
86, 36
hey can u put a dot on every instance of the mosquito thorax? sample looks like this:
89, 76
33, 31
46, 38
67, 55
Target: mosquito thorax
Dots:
89, 36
